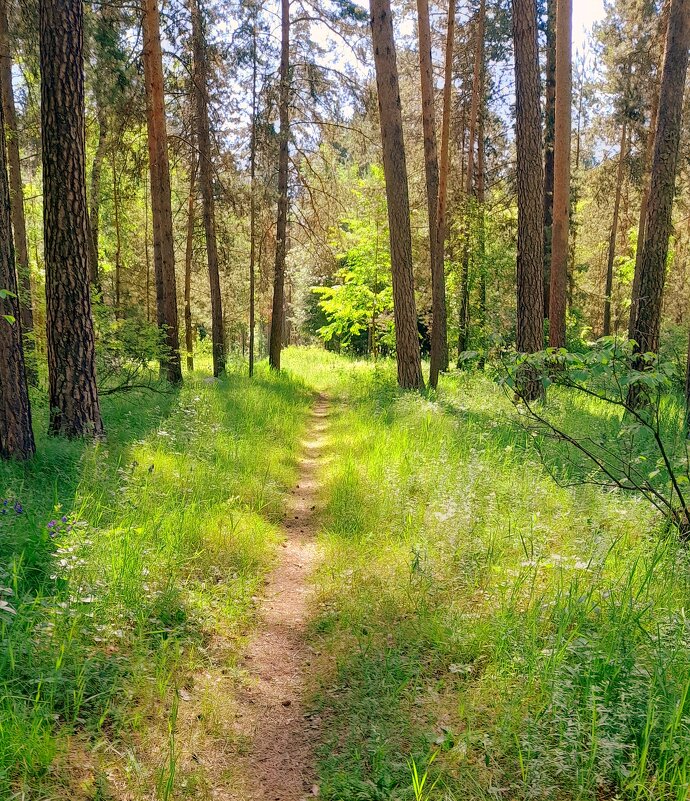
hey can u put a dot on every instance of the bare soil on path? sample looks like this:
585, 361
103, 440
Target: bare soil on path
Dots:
279, 764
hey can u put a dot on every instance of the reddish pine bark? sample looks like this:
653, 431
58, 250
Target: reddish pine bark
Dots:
161, 206
395, 172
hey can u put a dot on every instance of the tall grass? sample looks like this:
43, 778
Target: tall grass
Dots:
534, 636
123, 564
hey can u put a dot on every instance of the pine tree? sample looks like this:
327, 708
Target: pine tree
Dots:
16, 434
73, 396
203, 134
395, 172
530, 186
161, 205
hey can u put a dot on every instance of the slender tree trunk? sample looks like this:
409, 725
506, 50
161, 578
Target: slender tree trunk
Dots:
16, 434
439, 344
662, 181
439, 302
147, 255
649, 154
530, 187
549, 142
73, 396
161, 205
252, 205
573, 238
481, 227
395, 172
118, 238
17, 197
477, 89
206, 183
95, 205
188, 258
613, 236
560, 227
278, 311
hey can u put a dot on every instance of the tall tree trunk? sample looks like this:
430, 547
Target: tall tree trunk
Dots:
549, 142
439, 344
481, 227
118, 238
477, 91
252, 203
188, 258
439, 301
73, 396
206, 183
161, 205
613, 236
278, 311
395, 172
578, 138
16, 434
649, 155
95, 205
530, 187
147, 255
17, 197
560, 226
662, 181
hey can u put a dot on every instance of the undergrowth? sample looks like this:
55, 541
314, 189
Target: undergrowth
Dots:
128, 565
509, 637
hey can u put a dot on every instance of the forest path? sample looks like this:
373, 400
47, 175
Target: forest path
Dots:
279, 763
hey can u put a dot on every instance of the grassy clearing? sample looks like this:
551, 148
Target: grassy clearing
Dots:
528, 641
128, 575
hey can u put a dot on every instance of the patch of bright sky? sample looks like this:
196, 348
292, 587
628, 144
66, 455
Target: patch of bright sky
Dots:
585, 14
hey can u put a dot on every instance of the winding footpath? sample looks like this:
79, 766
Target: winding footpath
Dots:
279, 765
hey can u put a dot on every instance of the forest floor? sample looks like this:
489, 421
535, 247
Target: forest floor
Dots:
311, 583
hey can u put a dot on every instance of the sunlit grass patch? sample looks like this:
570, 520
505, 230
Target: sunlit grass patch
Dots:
533, 636
133, 564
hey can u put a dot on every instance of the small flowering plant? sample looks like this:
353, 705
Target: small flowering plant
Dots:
57, 526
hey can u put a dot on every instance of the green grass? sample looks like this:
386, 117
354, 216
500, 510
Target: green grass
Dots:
517, 639
169, 528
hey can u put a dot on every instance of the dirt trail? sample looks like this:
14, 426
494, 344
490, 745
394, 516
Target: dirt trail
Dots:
279, 763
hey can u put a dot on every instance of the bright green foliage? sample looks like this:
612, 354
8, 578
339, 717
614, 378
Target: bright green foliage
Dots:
535, 635
123, 561
359, 305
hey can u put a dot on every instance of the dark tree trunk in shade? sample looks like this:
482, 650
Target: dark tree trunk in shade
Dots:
662, 180
649, 155
278, 310
17, 196
395, 172
95, 201
530, 186
549, 141
613, 235
188, 259
161, 205
16, 434
73, 396
439, 343
203, 132
560, 219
